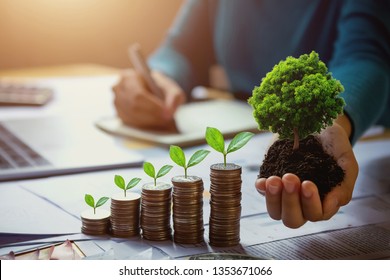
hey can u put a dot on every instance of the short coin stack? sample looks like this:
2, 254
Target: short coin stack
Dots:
125, 212
225, 202
188, 209
156, 203
95, 223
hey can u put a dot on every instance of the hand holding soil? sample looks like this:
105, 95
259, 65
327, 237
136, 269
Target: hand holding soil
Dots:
310, 171
294, 201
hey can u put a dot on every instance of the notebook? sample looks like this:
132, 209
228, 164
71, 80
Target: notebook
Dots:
47, 146
192, 119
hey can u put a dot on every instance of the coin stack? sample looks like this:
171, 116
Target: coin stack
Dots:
95, 223
125, 211
156, 203
225, 203
188, 209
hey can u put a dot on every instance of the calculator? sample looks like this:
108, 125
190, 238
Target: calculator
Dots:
21, 94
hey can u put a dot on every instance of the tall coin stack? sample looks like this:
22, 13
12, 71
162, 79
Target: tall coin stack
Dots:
225, 203
125, 212
188, 209
95, 223
156, 203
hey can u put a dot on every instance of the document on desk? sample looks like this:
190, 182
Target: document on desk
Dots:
229, 116
23, 212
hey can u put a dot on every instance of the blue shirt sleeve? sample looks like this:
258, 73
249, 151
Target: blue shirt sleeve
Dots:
187, 53
361, 61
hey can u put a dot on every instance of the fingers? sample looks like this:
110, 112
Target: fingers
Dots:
260, 185
173, 99
274, 188
174, 95
291, 201
136, 106
292, 214
311, 202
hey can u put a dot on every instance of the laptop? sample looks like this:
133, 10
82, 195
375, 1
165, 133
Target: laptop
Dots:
48, 146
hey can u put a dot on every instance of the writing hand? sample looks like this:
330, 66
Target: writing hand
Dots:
138, 107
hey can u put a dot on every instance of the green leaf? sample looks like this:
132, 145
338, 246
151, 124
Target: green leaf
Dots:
177, 155
164, 170
101, 201
197, 157
89, 200
149, 169
133, 183
119, 181
215, 139
239, 141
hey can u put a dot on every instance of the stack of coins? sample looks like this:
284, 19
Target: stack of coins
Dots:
188, 209
95, 223
125, 212
225, 203
156, 203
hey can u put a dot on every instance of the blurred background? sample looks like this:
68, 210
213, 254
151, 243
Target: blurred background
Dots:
57, 32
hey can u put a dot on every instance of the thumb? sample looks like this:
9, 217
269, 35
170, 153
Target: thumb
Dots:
173, 99
174, 95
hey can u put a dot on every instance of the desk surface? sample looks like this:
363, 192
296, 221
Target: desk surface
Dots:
259, 232
61, 70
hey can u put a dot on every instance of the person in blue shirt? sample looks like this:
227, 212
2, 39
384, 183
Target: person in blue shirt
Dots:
247, 38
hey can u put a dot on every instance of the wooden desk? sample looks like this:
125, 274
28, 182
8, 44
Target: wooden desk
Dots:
60, 70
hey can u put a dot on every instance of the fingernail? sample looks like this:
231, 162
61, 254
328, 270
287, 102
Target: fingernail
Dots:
289, 187
260, 192
307, 193
273, 189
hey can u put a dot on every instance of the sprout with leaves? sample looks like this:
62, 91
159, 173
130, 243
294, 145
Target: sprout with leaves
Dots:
216, 141
177, 155
297, 98
120, 182
150, 171
91, 201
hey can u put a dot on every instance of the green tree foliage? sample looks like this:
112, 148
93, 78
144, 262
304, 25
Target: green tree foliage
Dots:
297, 98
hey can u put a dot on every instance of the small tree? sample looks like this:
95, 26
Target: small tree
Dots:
297, 98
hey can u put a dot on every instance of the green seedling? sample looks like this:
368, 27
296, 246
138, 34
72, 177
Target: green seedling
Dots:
150, 171
120, 182
216, 141
297, 98
91, 201
177, 155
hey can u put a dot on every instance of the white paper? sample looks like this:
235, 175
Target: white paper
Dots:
25, 213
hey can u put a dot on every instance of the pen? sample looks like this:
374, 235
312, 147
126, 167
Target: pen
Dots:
142, 68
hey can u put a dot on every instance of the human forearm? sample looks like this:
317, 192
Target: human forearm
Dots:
187, 51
